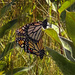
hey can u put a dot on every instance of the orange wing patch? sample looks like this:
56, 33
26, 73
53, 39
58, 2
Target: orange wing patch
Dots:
20, 30
21, 42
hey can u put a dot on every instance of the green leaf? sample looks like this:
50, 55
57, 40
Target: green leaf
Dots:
16, 70
2, 65
66, 66
65, 5
7, 26
72, 7
8, 47
68, 45
70, 25
69, 55
63, 16
5, 8
55, 27
53, 34
34, 6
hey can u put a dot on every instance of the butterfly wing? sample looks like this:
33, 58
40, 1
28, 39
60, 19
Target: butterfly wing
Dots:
35, 32
23, 31
31, 47
36, 49
20, 41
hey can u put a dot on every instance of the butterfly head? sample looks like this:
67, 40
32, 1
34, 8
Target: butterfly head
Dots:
44, 23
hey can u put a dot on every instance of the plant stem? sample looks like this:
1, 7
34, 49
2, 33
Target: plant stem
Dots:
58, 16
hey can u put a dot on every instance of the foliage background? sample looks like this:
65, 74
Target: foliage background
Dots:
17, 13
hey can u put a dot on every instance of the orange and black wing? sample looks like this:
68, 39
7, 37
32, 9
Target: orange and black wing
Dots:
32, 31
31, 47
20, 41
23, 31
37, 48
35, 31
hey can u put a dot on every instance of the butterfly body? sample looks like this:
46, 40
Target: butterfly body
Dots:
29, 37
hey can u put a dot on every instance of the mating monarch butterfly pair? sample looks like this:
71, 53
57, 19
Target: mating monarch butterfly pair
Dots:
29, 38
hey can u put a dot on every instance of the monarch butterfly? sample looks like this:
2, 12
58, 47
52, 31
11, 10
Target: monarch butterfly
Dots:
32, 31
30, 47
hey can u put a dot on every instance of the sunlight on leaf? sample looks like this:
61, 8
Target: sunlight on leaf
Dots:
68, 48
53, 34
55, 28
69, 55
68, 45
